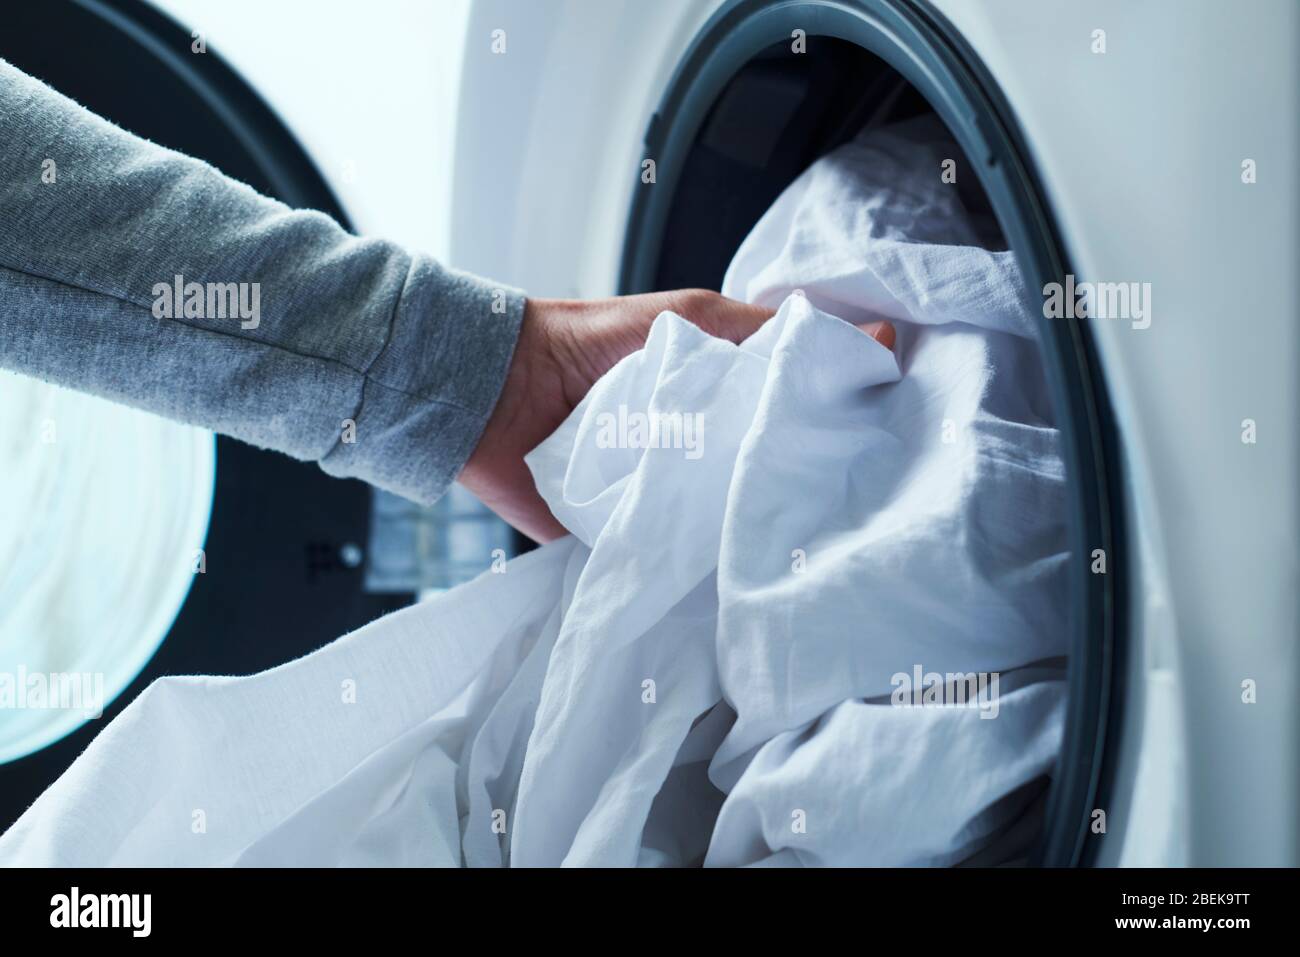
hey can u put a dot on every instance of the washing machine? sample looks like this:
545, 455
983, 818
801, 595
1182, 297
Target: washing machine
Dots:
1114, 141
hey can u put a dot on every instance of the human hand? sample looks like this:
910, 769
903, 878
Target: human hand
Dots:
564, 346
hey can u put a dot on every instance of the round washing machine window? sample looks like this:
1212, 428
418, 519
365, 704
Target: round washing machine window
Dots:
110, 506
879, 60
92, 587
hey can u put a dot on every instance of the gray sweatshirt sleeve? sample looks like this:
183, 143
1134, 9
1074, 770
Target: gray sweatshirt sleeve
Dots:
135, 273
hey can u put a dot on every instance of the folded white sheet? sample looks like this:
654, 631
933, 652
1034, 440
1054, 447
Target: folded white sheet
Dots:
708, 669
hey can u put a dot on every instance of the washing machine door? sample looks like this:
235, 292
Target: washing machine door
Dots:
282, 565
602, 228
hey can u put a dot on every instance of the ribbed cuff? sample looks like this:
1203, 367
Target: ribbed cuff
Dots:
428, 395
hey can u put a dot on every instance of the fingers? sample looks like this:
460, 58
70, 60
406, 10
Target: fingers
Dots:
716, 314
737, 321
881, 331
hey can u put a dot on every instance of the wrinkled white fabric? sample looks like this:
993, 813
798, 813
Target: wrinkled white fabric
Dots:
705, 671
936, 537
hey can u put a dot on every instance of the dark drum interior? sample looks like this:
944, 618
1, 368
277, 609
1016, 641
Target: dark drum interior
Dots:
777, 115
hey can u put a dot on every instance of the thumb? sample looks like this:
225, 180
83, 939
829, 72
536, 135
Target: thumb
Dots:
733, 320
737, 321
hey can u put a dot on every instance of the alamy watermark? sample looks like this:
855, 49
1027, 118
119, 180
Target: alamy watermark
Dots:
179, 299
133, 912
24, 690
922, 689
1098, 300
651, 430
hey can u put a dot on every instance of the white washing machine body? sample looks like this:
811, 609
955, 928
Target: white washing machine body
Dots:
1135, 138
1141, 139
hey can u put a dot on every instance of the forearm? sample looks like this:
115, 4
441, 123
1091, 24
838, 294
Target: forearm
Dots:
287, 332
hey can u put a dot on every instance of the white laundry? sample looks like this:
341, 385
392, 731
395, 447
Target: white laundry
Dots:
940, 538
708, 669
